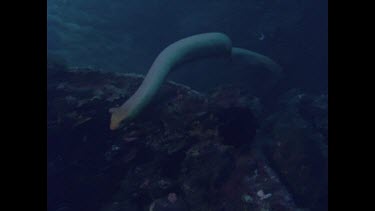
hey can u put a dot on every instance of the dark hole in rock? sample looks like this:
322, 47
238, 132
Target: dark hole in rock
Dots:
145, 155
237, 125
172, 165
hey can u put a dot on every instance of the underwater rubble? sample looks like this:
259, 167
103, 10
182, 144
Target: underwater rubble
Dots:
186, 151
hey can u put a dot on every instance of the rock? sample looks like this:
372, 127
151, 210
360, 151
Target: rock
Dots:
297, 150
186, 151
206, 167
169, 203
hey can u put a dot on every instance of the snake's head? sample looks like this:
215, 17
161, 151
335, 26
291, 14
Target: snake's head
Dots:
119, 114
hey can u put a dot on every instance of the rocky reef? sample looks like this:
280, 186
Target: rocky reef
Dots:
186, 151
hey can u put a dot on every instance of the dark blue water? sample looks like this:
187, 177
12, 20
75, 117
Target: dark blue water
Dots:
126, 36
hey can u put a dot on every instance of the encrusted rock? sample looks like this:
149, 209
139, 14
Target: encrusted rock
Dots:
185, 151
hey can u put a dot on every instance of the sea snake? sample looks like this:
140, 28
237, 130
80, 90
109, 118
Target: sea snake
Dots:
181, 51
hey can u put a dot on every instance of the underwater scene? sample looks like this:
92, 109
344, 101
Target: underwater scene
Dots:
187, 105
